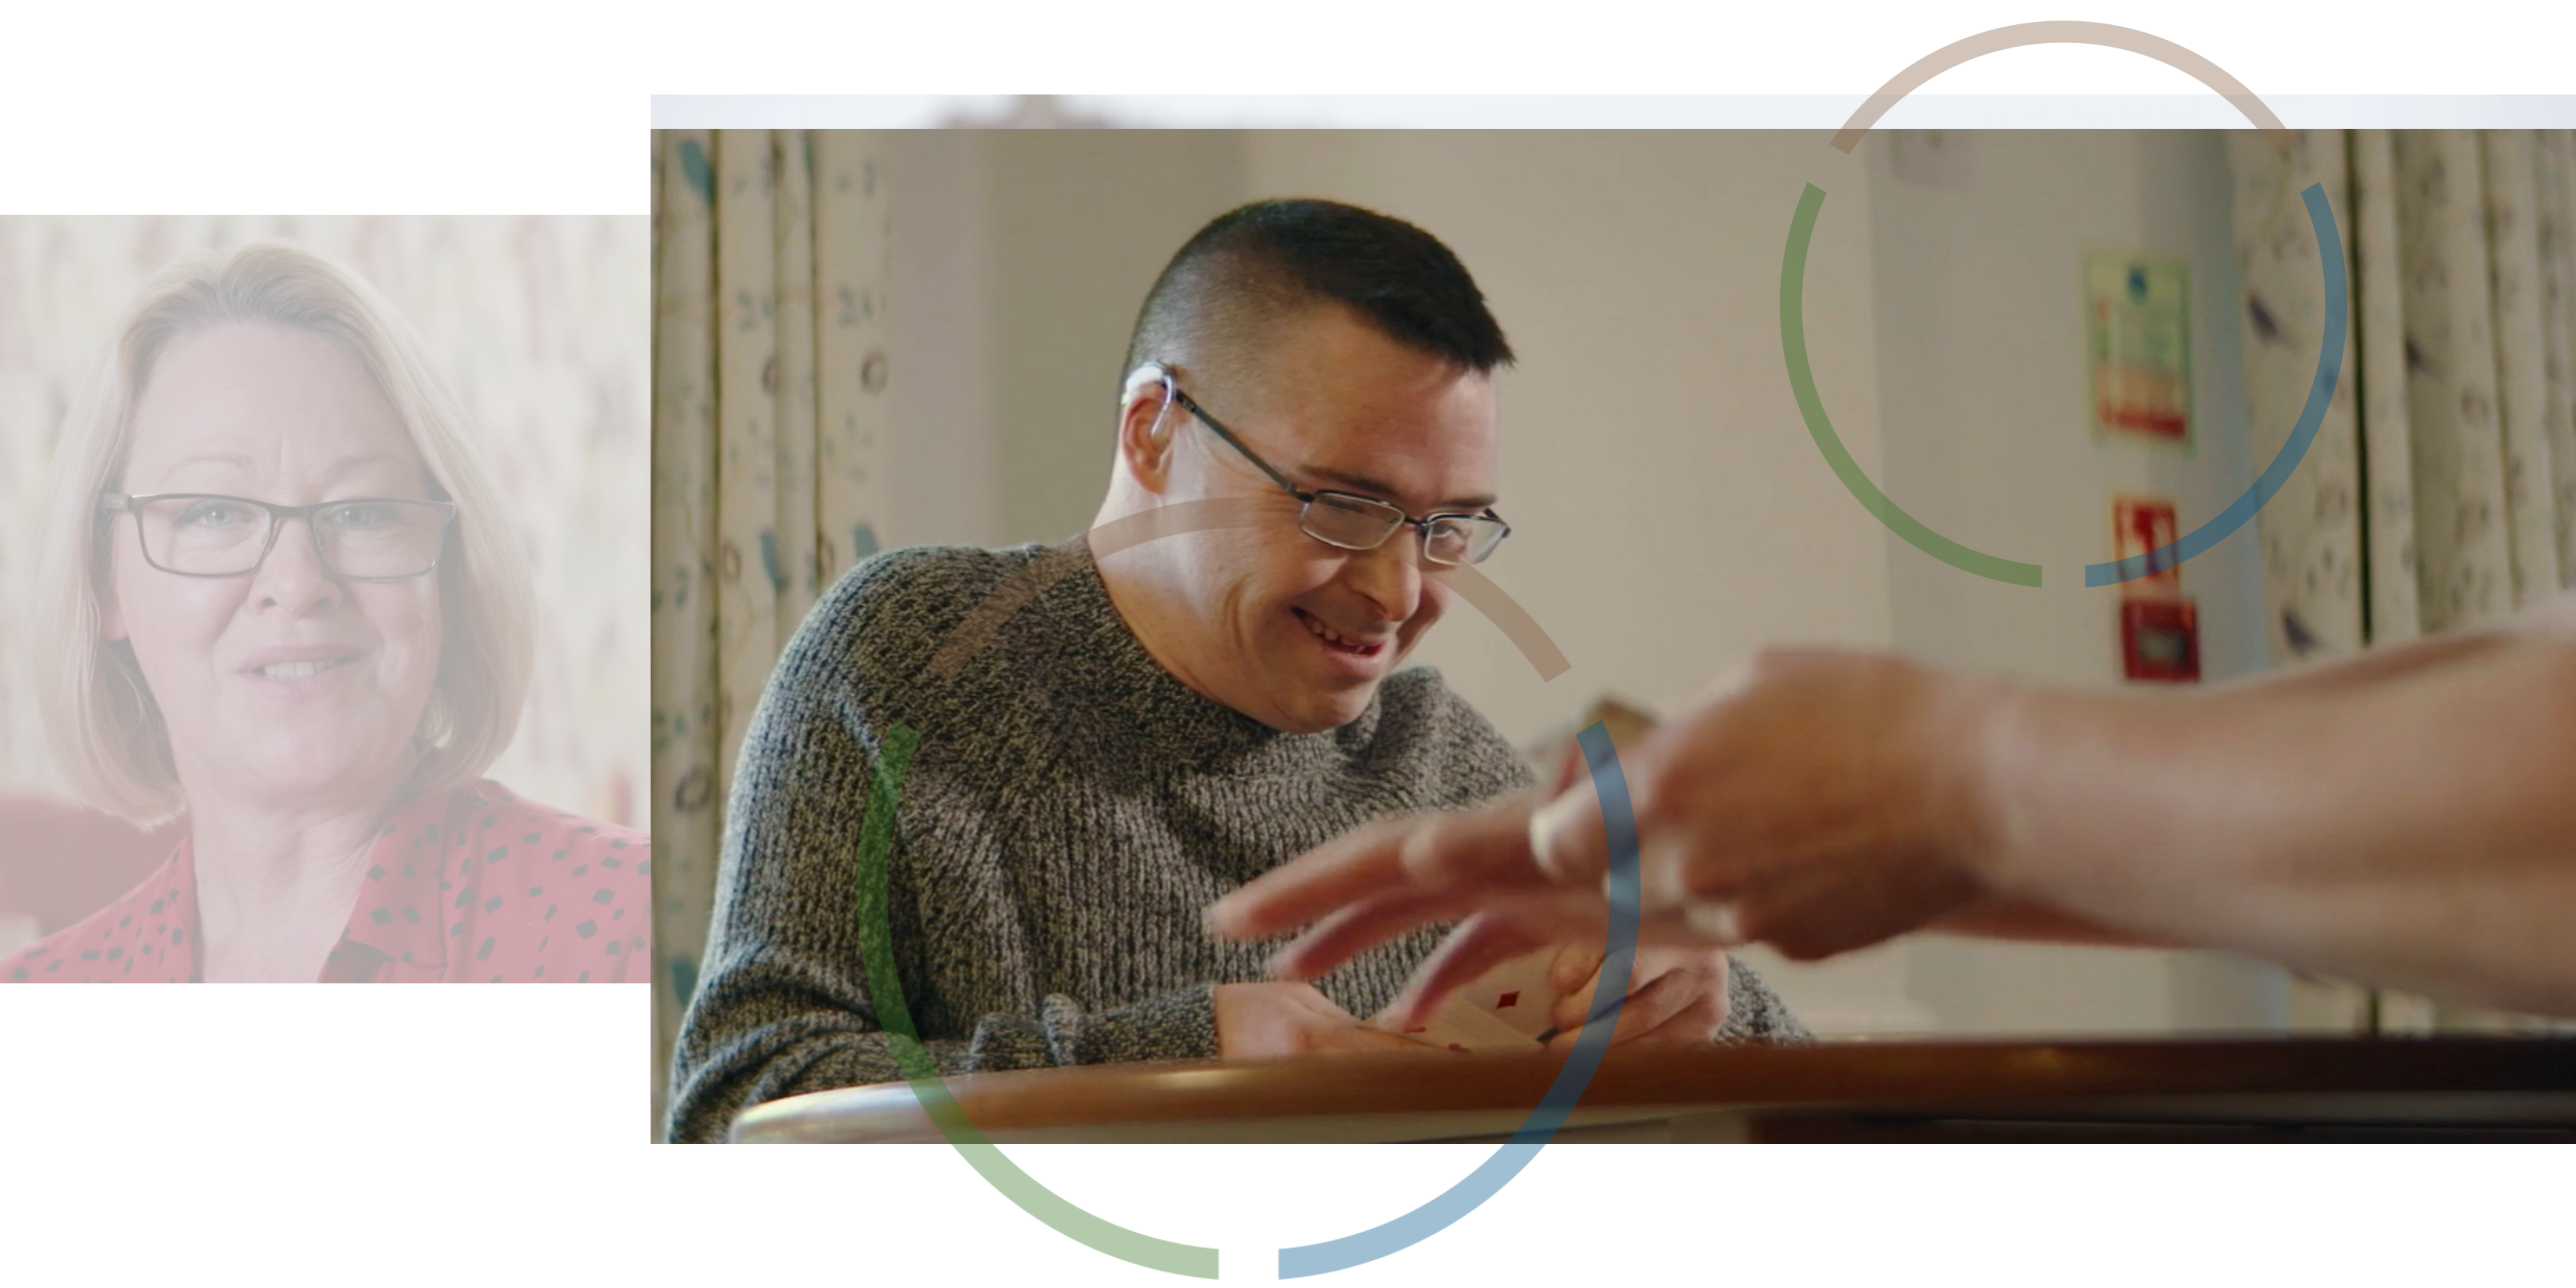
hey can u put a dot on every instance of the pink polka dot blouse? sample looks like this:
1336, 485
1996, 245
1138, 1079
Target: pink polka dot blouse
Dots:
472, 885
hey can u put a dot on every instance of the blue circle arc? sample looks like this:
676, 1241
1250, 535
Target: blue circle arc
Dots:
1620, 888
2330, 347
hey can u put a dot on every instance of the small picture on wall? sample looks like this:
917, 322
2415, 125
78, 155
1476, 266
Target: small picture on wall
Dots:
2137, 350
2160, 640
2141, 526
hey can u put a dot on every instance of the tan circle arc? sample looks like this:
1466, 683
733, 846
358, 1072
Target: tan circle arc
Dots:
2104, 34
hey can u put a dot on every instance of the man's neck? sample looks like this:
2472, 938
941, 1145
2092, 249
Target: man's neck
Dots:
1138, 586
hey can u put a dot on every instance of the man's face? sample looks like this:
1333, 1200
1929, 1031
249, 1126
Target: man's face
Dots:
1336, 406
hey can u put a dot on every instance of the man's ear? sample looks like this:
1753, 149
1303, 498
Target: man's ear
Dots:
1147, 425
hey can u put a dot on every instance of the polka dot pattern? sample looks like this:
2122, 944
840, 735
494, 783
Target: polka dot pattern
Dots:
462, 887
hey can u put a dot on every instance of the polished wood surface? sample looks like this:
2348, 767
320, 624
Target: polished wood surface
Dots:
1850, 1090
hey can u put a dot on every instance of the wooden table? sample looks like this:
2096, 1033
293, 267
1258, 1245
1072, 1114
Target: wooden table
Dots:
2283, 1089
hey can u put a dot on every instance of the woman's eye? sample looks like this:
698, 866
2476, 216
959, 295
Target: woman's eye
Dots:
215, 514
364, 516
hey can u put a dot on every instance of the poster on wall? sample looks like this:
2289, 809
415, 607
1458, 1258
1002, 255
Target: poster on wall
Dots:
2137, 350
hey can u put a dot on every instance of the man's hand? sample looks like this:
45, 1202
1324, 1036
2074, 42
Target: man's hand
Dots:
1676, 996
1283, 1018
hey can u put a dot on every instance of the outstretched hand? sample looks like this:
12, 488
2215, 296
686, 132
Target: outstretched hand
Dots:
1819, 802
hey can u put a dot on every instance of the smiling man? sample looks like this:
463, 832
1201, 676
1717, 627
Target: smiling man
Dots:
1161, 720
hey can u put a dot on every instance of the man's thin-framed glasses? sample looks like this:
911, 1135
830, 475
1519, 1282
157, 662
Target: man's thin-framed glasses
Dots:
203, 534
1353, 522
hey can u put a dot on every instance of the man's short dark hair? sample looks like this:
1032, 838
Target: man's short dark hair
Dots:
1256, 266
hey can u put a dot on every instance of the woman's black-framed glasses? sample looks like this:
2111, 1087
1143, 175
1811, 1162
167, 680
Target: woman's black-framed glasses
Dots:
200, 534
1353, 522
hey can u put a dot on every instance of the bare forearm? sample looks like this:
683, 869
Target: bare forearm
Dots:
2415, 825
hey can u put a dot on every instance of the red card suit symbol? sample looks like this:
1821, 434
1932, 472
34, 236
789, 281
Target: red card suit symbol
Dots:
1505, 1001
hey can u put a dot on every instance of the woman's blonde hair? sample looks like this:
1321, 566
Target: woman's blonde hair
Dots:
106, 730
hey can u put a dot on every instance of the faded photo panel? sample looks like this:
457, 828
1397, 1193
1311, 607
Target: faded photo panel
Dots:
323, 650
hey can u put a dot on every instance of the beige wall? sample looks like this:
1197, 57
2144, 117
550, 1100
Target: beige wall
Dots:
1980, 336
1670, 513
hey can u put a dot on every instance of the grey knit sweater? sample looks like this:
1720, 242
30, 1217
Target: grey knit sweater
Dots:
1068, 811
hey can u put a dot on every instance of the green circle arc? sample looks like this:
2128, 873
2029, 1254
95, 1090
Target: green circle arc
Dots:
876, 952
2330, 352
1802, 380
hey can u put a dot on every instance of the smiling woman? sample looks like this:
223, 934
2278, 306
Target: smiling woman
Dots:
284, 606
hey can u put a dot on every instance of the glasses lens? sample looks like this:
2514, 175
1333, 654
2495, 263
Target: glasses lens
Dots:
381, 538
1351, 522
1462, 540
214, 536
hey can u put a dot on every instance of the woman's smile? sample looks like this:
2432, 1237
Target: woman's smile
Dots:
302, 663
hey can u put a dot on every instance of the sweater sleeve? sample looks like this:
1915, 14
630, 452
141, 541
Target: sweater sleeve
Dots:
1753, 1012
783, 1004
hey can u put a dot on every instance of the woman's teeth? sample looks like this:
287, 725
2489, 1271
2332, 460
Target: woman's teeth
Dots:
297, 670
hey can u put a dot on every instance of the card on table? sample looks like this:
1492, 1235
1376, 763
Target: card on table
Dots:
1506, 1009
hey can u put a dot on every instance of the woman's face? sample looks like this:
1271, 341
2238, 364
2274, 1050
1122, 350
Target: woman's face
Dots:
285, 685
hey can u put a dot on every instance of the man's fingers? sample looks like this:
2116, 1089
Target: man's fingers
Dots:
1695, 1024
1347, 932
1643, 1010
1575, 1003
1479, 944
1574, 963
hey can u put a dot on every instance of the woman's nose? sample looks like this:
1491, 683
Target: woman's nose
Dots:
293, 576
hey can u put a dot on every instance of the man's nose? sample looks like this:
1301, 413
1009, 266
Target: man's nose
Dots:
1389, 576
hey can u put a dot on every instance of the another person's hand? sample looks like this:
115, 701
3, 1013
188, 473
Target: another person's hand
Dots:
1285, 1018
1817, 801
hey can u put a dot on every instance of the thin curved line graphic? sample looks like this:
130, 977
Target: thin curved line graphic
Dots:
2062, 33
921, 1072
1802, 380
2321, 389
885, 987
1620, 886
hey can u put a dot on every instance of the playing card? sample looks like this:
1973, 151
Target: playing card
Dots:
1506, 1009
1517, 992
1461, 1025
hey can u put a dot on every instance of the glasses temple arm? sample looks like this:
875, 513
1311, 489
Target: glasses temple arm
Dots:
1172, 394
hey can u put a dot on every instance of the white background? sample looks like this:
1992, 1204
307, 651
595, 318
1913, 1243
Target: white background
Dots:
302, 1135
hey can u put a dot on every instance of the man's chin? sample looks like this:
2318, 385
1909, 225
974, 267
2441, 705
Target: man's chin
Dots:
1324, 712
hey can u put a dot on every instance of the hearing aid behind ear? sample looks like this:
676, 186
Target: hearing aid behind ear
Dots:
1149, 373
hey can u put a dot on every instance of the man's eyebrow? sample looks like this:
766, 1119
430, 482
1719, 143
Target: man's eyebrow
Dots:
1362, 482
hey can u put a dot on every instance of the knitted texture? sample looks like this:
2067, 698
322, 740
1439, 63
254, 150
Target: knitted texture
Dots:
1068, 811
